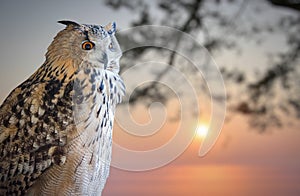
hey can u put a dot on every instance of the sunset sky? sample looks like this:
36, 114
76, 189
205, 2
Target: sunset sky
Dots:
243, 161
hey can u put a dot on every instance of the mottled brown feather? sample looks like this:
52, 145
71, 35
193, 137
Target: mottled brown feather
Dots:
42, 149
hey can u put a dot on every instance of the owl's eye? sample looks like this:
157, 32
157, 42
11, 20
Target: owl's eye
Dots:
87, 45
111, 47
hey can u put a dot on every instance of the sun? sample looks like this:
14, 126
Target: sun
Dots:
202, 130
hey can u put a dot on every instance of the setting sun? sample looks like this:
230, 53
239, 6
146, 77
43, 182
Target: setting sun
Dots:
202, 130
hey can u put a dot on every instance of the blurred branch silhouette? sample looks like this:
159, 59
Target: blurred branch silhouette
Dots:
282, 77
270, 97
287, 3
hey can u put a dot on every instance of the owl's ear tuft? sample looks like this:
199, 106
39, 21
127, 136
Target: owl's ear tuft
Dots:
68, 23
110, 28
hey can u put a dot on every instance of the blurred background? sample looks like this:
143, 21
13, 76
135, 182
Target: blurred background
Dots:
256, 45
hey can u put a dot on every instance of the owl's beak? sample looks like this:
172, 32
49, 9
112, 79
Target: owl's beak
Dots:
105, 60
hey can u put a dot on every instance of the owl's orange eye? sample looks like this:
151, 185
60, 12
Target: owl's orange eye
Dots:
87, 45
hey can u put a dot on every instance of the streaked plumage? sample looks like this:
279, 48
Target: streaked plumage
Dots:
56, 127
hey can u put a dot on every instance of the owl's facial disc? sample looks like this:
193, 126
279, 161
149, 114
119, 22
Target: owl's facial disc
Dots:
95, 44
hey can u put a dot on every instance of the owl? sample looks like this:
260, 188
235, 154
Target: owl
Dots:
56, 127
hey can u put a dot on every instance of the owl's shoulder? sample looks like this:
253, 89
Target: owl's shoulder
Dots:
33, 131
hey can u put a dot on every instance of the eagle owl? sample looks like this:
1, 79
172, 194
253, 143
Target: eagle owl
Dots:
56, 127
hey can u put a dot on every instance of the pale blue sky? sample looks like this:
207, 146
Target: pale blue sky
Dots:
28, 27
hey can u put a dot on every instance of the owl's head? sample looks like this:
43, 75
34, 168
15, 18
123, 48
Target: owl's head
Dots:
82, 45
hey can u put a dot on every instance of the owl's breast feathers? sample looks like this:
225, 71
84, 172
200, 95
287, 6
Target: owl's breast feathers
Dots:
42, 117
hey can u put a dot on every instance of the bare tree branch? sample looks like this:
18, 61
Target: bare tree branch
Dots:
292, 4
